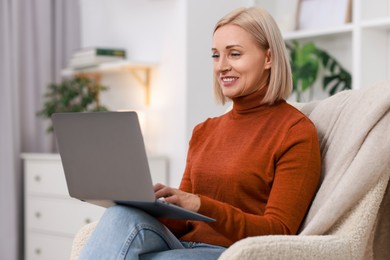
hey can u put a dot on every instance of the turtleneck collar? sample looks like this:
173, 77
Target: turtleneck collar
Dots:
250, 103
247, 104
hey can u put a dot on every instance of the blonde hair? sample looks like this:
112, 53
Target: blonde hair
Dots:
260, 24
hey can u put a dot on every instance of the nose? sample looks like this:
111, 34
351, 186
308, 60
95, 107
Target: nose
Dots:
223, 65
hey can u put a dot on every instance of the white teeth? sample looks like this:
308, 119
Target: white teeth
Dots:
228, 79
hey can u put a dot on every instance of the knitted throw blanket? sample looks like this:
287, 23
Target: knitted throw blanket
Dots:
354, 129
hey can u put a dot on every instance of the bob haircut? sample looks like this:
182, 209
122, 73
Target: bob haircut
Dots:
260, 24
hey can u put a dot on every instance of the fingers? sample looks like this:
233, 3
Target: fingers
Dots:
178, 197
162, 191
158, 186
174, 199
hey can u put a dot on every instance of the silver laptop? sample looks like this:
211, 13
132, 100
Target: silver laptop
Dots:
105, 162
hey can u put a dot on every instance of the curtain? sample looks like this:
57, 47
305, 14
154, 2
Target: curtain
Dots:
37, 38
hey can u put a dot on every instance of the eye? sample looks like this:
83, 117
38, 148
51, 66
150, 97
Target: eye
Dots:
235, 54
215, 56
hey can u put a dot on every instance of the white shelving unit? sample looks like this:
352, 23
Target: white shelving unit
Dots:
362, 46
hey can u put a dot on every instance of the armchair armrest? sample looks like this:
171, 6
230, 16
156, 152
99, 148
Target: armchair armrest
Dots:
81, 238
290, 247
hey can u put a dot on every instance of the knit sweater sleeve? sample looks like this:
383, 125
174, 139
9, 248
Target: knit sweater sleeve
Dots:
297, 173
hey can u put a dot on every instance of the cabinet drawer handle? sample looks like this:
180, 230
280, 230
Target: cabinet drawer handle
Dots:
38, 214
87, 220
37, 178
38, 251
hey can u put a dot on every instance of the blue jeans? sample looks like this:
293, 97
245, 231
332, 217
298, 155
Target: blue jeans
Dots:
129, 233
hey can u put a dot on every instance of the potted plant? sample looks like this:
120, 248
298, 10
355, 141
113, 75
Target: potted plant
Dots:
307, 61
77, 94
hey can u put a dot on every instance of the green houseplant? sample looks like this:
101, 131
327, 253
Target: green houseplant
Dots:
77, 94
307, 61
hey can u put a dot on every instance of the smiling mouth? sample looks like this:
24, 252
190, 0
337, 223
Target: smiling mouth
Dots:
228, 79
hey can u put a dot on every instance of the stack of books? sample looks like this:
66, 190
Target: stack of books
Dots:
90, 57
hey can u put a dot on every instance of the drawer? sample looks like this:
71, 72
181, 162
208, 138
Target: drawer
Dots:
65, 216
45, 178
41, 246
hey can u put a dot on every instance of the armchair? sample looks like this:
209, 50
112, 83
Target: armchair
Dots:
348, 218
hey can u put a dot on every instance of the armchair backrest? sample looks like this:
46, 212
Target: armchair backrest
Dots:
354, 129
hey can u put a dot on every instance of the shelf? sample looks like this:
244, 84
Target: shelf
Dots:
361, 46
323, 32
380, 23
140, 71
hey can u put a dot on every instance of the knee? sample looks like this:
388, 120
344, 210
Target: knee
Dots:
125, 214
120, 211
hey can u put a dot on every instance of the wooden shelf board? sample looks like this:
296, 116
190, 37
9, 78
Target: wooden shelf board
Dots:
140, 71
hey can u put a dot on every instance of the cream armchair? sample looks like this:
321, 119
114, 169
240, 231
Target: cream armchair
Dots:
349, 217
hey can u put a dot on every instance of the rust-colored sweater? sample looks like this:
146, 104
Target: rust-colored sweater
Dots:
256, 170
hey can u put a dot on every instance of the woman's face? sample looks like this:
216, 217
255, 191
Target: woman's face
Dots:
240, 66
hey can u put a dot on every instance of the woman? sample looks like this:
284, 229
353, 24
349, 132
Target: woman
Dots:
254, 169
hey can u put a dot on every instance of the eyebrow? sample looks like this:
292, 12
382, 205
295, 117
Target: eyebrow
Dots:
228, 47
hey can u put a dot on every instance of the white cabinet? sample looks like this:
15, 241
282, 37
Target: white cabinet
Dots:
362, 46
52, 218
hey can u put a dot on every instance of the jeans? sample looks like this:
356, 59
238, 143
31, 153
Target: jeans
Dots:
129, 233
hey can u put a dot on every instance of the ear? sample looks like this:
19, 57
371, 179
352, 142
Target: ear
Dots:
268, 60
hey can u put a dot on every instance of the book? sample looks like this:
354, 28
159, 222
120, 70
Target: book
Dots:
89, 57
84, 62
100, 52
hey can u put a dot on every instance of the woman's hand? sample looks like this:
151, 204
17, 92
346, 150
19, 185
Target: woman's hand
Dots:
183, 199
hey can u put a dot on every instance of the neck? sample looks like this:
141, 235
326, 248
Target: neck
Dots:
251, 103
247, 103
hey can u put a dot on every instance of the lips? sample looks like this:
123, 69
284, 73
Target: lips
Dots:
228, 80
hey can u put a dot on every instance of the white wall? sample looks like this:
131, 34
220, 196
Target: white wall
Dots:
150, 31
202, 15
175, 34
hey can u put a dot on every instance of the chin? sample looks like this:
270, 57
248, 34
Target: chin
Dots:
230, 93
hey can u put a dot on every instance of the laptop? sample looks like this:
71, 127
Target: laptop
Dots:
105, 162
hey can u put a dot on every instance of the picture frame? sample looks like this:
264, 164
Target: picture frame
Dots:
314, 14
284, 12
